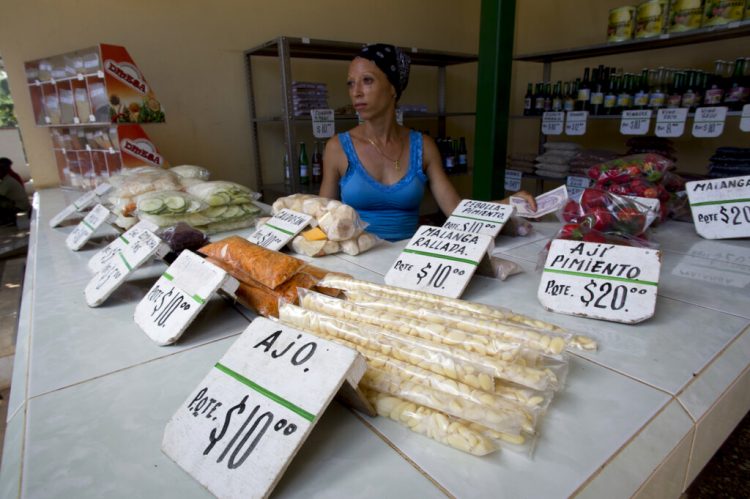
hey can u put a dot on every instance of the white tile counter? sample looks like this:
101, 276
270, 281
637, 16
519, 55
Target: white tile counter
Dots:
91, 394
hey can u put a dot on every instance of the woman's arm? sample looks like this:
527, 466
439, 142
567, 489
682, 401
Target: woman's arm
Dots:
334, 163
445, 194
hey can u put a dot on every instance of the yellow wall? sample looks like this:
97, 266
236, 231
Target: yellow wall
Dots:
550, 25
190, 51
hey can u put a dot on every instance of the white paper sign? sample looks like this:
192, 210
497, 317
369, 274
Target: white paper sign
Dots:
178, 296
635, 122
709, 122
575, 122
280, 229
86, 228
553, 122
323, 123
546, 202
716, 263
745, 120
438, 261
600, 281
513, 180
721, 207
103, 257
79, 204
237, 432
671, 122
576, 185
479, 217
137, 252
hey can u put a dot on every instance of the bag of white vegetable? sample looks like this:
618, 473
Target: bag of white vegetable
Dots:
191, 172
338, 221
223, 193
131, 183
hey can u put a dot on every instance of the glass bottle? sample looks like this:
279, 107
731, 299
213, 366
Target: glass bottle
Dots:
450, 155
527, 100
569, 101
597, 92
547, 102
656, 96
557, 97
304, 165
736, 94
584, 92
462, 157
317, 164
688, 96
625, 97
610, 98
675, 91
539, 99
715, 89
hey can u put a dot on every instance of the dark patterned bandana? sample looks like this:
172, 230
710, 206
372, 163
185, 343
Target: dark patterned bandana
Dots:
391, 61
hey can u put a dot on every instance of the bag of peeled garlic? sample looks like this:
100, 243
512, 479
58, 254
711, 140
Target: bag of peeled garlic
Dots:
336, 226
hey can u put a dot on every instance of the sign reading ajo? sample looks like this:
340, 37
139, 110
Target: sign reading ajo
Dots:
86, 228
179, 295
79, 204
601, 281
280, 229
245, 421
137, 252
105, 255
480, 217
439, 261
721, 207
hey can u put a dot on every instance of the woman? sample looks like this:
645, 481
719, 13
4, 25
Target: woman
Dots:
379, 167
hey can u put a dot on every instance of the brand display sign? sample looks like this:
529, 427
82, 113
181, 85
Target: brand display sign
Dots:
600, 281
635, 122
575, 122
671, 122
439, 261
576, 185
545, 203
136, 252
84, 230
745, 119
279, 230
80, 204
104, 256
178, 297
709, 122
513, 180
323, 123
553, 122
137, 149
239, 429
721, 207
479, 217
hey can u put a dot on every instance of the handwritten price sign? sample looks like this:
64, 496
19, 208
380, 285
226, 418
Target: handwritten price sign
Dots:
601, 281
84, 230
323, 123
575, 122
709, 122
479, 217
280, 229
241, 427
105, 255
79, 204
438, 261
721, 207
635, 122
138, 250
513, 180
670, 122
178, 297
553, 122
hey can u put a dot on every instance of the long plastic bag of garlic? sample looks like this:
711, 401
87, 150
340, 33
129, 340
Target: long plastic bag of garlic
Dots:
427, 388
461, 307
436, 358
431, 423
495, 358
480, 344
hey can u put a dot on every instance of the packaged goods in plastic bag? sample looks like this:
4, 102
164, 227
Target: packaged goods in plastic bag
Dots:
340, 222
432, 424
182, 236
222, 193
606, 213
624, 169
191, 172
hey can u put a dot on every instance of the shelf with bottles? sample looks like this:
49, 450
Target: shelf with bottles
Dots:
737, 29
97, 85
88, 155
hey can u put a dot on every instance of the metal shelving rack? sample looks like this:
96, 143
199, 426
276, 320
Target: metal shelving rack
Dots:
286, 48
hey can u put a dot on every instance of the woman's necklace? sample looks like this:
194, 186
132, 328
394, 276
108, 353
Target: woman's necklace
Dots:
395, 162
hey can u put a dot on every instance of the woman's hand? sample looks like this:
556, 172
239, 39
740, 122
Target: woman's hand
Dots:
525, 196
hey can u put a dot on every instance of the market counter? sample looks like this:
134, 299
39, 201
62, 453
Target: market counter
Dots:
91, 394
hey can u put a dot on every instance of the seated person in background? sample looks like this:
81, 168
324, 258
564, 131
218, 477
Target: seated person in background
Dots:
380, 168
13, 198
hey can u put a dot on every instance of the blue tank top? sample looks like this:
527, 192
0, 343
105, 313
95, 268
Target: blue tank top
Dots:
391, 210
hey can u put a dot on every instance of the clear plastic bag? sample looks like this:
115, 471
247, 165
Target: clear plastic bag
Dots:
191, 171
168, 203
217, 193
339, 221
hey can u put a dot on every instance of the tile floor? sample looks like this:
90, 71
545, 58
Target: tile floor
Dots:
727, 475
